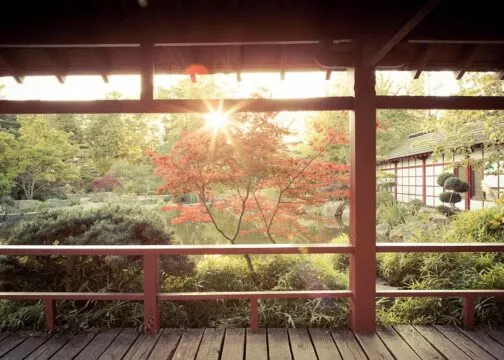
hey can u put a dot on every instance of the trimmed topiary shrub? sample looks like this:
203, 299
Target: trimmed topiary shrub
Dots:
443, 177
454, 185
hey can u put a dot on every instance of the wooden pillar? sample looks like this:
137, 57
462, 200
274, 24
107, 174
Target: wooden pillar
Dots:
424, 180
395, 187
151, 290
468, 175
147, 72
363, 197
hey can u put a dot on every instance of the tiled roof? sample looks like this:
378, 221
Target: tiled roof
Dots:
422, 143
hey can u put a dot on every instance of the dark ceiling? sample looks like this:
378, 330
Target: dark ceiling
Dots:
103, 36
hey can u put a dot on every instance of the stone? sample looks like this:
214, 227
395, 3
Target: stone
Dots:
382, 232
57, 203
345, 216
334, 209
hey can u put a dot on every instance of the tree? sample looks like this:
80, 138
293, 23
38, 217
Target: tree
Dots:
8, 168
454, 186
244, 169
464, 128
43, 156
113, 137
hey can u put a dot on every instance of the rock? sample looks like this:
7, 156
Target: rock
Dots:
345, 216
438, 219
57, 203
334, 209
24, 205
382, 232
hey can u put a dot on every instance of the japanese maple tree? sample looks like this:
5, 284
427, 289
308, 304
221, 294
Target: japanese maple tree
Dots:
245, 169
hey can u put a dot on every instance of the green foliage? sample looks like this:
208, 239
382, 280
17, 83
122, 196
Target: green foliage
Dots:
445, 210
8, 164
443, 177
43, 155
447, 271
450, 197
137, 178
452, 183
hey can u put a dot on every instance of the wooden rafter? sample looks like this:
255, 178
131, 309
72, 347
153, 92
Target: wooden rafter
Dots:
106, 63
282, 62
14, 67
501, 75
328, 75
403, 31
59, 63
424, 59
238, 60
467, 59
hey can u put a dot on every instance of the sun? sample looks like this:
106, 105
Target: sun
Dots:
216, 120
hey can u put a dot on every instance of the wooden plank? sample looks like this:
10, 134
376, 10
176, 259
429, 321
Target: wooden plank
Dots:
301, 345
373, 346
417, 342
396, 345
211, 344
441, 343
120, 345
50, 347
188, 345
497, 335
234, 344
25, 348
257, 346
278, 341
11, 342
4, 334
324, 344
142, 347
347, 344
464, 343
485, 341
166, 345
98, 345
74, 346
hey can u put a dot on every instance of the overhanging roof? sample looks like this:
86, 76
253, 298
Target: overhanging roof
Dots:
62, 37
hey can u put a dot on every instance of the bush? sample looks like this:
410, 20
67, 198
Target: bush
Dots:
443, 177
452, 183
445, 210
447, 271
450, 197
112, 225
106, 183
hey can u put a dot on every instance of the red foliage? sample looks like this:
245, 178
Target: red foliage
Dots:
106, 183
246, 170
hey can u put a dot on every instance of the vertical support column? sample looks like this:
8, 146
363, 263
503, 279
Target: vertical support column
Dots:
468, 174
424, 180
468, 313
147, 71
254, 314
363, 197
151, 290
395, 187
50, 313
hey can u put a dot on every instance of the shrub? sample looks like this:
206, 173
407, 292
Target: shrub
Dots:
445, 210
450, 197
106, 183
452, 183
112, 225
443, 177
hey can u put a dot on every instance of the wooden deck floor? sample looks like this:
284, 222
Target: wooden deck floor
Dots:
399, 342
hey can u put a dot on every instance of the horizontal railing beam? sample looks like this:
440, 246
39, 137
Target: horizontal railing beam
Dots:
71, 296
175, 106
261, 295
439, 247
247, 105
40, 250
440, 293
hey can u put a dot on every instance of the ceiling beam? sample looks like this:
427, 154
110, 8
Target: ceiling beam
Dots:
404, 30
104, 59
467, 59
501, 75
13, 65
328, 75
59, 62
238, 61
282, 62
423, 60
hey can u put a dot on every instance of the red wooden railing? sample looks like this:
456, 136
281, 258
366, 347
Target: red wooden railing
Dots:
151, 296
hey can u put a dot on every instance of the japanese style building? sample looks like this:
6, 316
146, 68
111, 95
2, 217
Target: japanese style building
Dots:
414, 166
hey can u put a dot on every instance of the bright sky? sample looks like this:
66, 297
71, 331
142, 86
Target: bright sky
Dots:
295, 85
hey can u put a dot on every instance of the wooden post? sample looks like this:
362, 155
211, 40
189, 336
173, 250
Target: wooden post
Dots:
50, 313
424, 180
363, 197
147, 72
395, 187
151, 290
468, 313
254, 314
